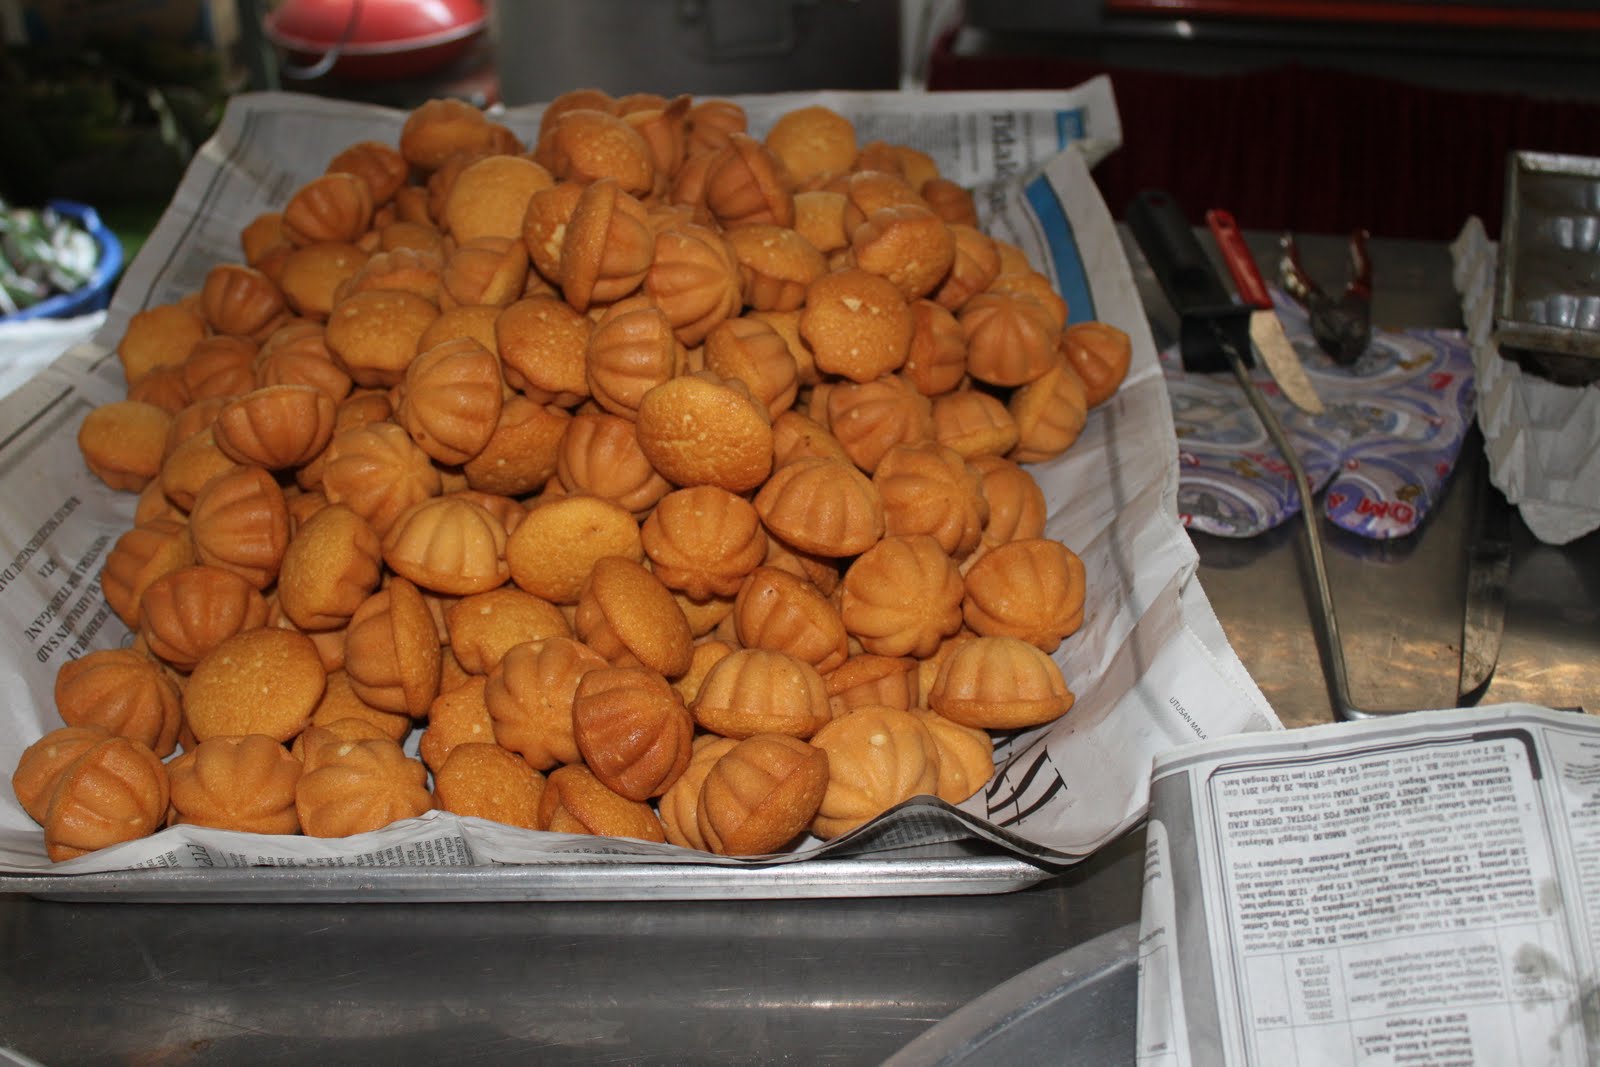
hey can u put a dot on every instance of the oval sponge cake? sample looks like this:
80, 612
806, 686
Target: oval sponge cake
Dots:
698, 429
266, 681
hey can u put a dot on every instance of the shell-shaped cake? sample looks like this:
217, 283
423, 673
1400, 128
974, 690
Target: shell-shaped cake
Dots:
485, 626
1100, 353
999, 683
679, 806
745, 184
757, 691
776, 265
1017, 507
448, 544
694, 280
902, 597
586, 145
813, 143
632, 729
392, 654
865, 680
115, 791
41, 763
489, 198
139, 557
220, 367
823, 506
441, 127
869, 418
124, 691
240, 523
857, 324
761, 794
966, 756
908, 245
1050, 412
241, 301
552, 551
529, 695
378, 472
237, 783
631, 351
543, 346
263, 681
486, 781
782, 612
796, 435
703, 541
333, 563
929, 489
974, 423
484, 272
600, 454
752, 352
576, 802
877, 757
936, 359
124, 442
452, 399
377, 163
336, 206
359, 786
1011, 340
607, 249
976, 264
276, 427
1031, 589
186, 613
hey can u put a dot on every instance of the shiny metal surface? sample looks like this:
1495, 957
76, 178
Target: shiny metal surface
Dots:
939, 870
706, 982
1071, 1009
782, 981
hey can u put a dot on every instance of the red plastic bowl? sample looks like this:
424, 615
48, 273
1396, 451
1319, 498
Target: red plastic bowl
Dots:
392, 39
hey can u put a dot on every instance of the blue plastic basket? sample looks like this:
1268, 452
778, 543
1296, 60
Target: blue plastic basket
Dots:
97, 293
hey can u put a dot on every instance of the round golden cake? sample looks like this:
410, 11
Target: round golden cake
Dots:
264, 681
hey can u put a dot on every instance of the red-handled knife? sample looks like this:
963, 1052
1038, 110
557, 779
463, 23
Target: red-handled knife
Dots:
1265, 329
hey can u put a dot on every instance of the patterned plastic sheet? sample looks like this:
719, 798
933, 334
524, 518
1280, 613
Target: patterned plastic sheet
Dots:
1380, 453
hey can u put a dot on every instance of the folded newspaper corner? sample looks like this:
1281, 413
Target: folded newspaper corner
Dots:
1151, 667
1424, 889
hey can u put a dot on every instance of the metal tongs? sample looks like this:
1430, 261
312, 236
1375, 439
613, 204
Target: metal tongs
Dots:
1342, 327
1214, 335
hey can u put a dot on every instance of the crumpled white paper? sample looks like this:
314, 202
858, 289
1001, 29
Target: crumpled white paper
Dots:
28, 346
1542, 439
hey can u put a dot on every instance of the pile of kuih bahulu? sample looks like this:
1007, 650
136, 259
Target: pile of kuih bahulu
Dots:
664, 477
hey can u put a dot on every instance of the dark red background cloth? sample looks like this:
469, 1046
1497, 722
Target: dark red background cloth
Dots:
1301, 148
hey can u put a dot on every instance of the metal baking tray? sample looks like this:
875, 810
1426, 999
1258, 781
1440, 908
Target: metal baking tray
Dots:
947, 869
1547, 285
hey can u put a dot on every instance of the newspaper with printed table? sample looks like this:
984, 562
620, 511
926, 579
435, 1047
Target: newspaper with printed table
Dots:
1420, 890
1150, 668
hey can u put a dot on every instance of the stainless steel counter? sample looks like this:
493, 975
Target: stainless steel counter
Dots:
758, 982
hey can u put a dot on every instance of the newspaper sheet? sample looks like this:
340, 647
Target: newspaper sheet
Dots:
1421, 890
1151, 667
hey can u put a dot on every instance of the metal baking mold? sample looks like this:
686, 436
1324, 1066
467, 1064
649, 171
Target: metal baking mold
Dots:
1547, 285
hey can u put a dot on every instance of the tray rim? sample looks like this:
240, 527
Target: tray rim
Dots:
939, 873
